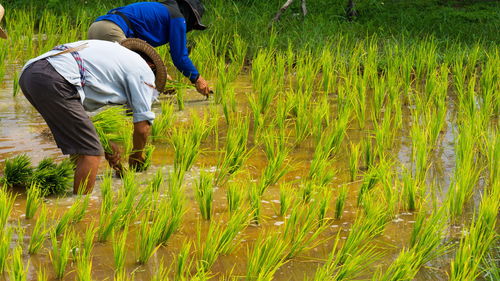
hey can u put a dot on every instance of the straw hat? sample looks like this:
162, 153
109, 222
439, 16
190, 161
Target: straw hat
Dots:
2, 32
140, 46
197, 9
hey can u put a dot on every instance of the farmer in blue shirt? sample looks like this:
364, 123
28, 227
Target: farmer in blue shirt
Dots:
158, 24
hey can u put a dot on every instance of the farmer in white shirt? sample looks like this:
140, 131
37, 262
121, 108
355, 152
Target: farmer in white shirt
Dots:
83, 76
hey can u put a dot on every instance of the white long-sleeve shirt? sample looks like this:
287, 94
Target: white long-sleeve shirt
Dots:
113, 75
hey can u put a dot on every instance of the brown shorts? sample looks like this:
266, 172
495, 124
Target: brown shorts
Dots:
106, 30
59, 104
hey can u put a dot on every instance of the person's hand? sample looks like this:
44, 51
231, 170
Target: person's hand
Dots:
202, 87
136, 161
114, 159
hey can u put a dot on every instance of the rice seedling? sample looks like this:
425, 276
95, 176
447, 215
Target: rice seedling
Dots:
181, 92
169, 218
83, 268
255, 201
74, 214
286, 200
15, 84
276, 153
234, 194
39, 233
119, 249
228, 101
370, 180
53, 178
7, 202
263, 80
110, 219
124, 276
18, 271
368, 153
426, 245
110, 124
466, 173
412, 191
34, 198
340, 203
324, 198
41, 275
61, 251
420, 150
268, 255
147, 239
236, 152
148, 157
302, 119
354, 160
183, 263
186, 147
163, 122
17, 171
161, 273
302, 229
157, 181
204, 194
5, 240
220, 240
320, 172
477, 240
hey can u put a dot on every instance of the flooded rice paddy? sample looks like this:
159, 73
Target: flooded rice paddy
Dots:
22, 130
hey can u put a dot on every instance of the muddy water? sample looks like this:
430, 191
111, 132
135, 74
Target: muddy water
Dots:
22, 130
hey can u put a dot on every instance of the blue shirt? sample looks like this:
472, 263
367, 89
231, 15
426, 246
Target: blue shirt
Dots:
157, 24
113, 75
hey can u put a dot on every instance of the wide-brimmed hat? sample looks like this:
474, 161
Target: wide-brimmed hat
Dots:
2, 32
140, 46
198, 10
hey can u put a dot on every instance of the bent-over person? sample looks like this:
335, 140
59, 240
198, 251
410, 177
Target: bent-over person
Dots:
73, 78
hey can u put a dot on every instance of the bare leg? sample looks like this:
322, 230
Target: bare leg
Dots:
85, 173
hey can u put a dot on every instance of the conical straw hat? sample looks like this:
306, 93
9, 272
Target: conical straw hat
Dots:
138, 45
2, 32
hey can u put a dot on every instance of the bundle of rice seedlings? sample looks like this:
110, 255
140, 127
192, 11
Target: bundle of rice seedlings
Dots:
109, 124
17, 171
53, 178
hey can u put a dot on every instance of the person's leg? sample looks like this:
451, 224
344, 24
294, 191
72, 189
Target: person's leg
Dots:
85, 173
59, 104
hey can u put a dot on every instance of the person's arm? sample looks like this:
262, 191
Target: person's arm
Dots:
140, 97
180, 57
140, 138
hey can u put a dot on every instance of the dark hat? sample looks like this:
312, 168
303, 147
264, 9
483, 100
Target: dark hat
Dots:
141, 46
197, 9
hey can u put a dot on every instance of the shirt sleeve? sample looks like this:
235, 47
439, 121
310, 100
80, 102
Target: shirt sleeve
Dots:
140, 97
179, 51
